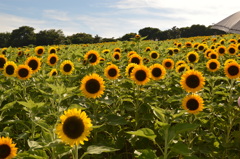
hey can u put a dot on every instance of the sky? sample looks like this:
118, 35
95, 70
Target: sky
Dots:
111, 18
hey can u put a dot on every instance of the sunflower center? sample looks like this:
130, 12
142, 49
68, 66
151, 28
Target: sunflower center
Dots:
33, 64
5, 151
112, 72
73, 127
232, 50
23, 72
130, 70
156, 72
192, 57
140, 75
53, 60
192, 81
2, 62
154, 55
116, 57
135, 60
213, 56
52, 51
92, 86
9, 69
67, 68
221, 50
54, 73
212, 65
200, 48
181, 69
170, 52
92, 58
40, 51
192, 104
168, 64
233, 70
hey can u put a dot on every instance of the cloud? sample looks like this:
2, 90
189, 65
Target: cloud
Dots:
56, 15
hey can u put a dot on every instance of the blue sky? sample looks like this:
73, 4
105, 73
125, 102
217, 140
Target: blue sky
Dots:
111, 18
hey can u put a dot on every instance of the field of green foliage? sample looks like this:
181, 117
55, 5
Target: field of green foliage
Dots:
169, 99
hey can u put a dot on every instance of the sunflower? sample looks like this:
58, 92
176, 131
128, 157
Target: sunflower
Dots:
9, 69
140, 74
188, 44
202, 47
232, 50
192, 81
23, 72
7, 148
157, 71
105, 51
192, 57
207, 52
67, 67
3, 51
3, 60
213, 55
52, 50
232, 70
75, 127
234, 41
170, 51
168, 63
92, 57
92, 86
130, 53
213, 65
112, 71
222, 41
129, 69
34, 63
52, 59
117, 50
39, 50
20, 53
182, 67
228, 61
135, 58
116, 55
53, 72
221, 50
193, 103
178, 63
176, 50
148, 49
154, 55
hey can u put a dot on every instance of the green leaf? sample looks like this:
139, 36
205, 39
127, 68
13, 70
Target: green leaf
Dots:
31, 104
159, 113
94, 149
147, 154
183, 127
181, 148
33, 144
144, 132
8, 106
115, 120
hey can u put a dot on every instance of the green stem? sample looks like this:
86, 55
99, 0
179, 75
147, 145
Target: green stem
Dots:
165, 154
75, 156
137, 107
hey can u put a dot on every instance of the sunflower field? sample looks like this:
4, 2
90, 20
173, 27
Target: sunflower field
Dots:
172, 99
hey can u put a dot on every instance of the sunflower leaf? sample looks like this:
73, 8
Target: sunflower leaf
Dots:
144, 132
94, 149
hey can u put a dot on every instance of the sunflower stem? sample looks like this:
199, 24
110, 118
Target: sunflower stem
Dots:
75, 156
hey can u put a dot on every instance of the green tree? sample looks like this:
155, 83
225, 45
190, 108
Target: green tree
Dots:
50, 37
81, 38
23, 36
127, 37
4, 39
151, 33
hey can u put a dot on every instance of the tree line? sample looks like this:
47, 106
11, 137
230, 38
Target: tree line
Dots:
25, 36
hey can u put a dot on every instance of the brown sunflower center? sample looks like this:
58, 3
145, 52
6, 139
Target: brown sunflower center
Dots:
181, 69
130, 70
53, 60
156, 72
23, 72
200, 47
192, 58
52, 51
170, 52
67, 67
168, 64
192, 81
112, 72
135, 60
92, 58
140, 75
233, 70
73, 127
154, 55
54, 73
33, 64
212, 65
40, 51
9, 69
213, 56
232, 50
221, 50
192, 104
92, 86
2, 62
117, 57
5, 151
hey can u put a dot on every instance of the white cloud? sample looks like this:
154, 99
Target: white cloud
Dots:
56, 15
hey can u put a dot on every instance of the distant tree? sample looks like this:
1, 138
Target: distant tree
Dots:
4, 39
50, 37
108, 40
22, 36
151, 33
97, 39
127, 37
81, 38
